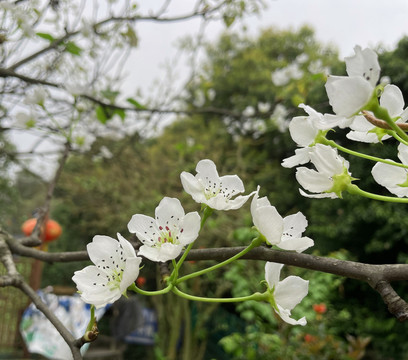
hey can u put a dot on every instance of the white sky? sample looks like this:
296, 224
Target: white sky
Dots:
344, 23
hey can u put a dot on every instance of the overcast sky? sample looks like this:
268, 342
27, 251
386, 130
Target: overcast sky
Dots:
344, 23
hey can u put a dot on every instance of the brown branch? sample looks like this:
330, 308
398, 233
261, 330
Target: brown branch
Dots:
396, 306
381, 123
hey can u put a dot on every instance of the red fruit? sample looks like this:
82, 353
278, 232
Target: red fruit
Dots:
51, 230
320, 308
310, 338
140, 281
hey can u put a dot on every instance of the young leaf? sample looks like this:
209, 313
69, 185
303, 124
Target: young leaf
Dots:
46, 36
101, 114
136, 104
74, 49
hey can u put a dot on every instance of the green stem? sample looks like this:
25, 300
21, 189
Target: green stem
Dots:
399, 139
382, 113
365, 156
135, 289
355, 190
92, 320
256, 296
256, 242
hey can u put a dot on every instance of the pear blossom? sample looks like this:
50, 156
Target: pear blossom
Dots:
164, 236
284, 233
392, 100
115, 268
281, 77
249, 111
286, 293
207, 187
394, 178
306, 130
348, 94
332, 175
36, 97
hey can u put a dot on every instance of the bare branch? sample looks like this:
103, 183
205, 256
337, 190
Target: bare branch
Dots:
396, 306
381, 123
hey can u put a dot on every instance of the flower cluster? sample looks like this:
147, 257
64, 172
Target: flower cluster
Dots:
372, 112
116, 264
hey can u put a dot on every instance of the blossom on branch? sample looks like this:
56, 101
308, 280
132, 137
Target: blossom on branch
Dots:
348, 94
394, 178
332, 175
207, 187
393, 101
285, 294
284, 233
164, 236
115, 268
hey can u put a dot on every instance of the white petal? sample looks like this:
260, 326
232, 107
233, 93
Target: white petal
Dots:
272, 273
130, 273
144, 227
302, 156
206, 169
232, 182
347, 95
326, 160
163, 253
312, 180
191, 227
192, 186
403, 153
330, 121
127, 247
294, 225
318, 196
302, 131
360, 123
370, 138
169, 212
390, 177
392, 100
290, 291
269, 223
295, 244
104, 251
365, 64
285, 316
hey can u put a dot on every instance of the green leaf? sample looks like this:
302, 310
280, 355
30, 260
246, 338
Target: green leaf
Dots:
136, 104
121, 113
110, 94
130, 36
101, 114
73, 48
46, 36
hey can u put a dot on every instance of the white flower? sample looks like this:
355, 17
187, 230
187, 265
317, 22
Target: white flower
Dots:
266, 219
286, 293
293, 227
394, 178
207, 187
348, 94
282, 76
392, 100
116, 268
284, 233
36, 97
165, 236
331, 176
249, 111
25, 121
264, 107
363, 63
304, 129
